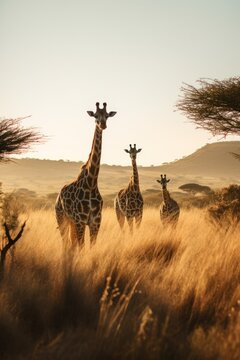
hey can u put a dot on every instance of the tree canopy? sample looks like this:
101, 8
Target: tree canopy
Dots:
213, 105
14, 139
194, 189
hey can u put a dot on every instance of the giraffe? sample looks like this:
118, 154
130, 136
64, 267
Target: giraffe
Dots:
169, 209
80, 203
129, 202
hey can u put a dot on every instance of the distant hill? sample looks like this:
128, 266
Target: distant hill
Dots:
211, 160
211, 165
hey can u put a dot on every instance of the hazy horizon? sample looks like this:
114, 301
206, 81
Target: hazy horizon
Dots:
24, 156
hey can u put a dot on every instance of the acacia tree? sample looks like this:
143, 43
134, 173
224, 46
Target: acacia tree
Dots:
194, 189
15, 139
213, 105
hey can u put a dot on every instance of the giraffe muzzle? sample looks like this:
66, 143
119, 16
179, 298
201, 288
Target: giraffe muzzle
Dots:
103, 126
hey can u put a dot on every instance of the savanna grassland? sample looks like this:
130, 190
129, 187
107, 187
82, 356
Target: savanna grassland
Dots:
212, 165
159, 294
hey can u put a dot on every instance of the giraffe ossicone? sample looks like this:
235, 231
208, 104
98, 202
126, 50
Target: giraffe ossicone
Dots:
79, 204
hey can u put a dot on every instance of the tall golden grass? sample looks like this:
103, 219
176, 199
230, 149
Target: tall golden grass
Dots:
161, 293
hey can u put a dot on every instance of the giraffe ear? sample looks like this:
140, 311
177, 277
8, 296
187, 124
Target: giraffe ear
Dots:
112, 113
90, 113
127, 151
168, 180
159, 181
139, 150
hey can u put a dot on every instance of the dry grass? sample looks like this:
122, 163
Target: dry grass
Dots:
162, 293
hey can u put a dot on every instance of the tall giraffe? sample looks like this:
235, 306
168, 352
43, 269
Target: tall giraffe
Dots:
169, 209
129, 202
80, 203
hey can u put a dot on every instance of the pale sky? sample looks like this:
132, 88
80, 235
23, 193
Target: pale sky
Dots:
59, 57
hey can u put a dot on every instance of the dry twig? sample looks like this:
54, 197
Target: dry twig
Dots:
9, 244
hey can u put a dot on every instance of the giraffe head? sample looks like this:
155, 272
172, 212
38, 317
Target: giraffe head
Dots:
163, 181
101, 115
133, 151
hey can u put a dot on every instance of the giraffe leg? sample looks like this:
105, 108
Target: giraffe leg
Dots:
94, 229
61, 219
120, 216
73, 239
59, 212
138, 219
77, 234
130, 223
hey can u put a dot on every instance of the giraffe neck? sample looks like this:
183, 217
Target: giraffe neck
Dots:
134, 182
93, 164
166, 196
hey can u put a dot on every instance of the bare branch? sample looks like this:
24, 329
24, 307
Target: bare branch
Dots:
9, 244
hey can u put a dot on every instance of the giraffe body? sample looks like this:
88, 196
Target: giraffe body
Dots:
79, 204
169, 208
129, 202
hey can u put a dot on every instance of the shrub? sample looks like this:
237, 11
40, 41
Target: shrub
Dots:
226, 209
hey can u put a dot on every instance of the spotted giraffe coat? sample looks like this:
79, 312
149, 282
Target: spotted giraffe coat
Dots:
79, 204
129, 201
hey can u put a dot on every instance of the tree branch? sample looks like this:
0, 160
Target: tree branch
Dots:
10, 243
14, 139
213, 106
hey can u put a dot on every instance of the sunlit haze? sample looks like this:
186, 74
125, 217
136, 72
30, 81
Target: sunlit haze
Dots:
59, 57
